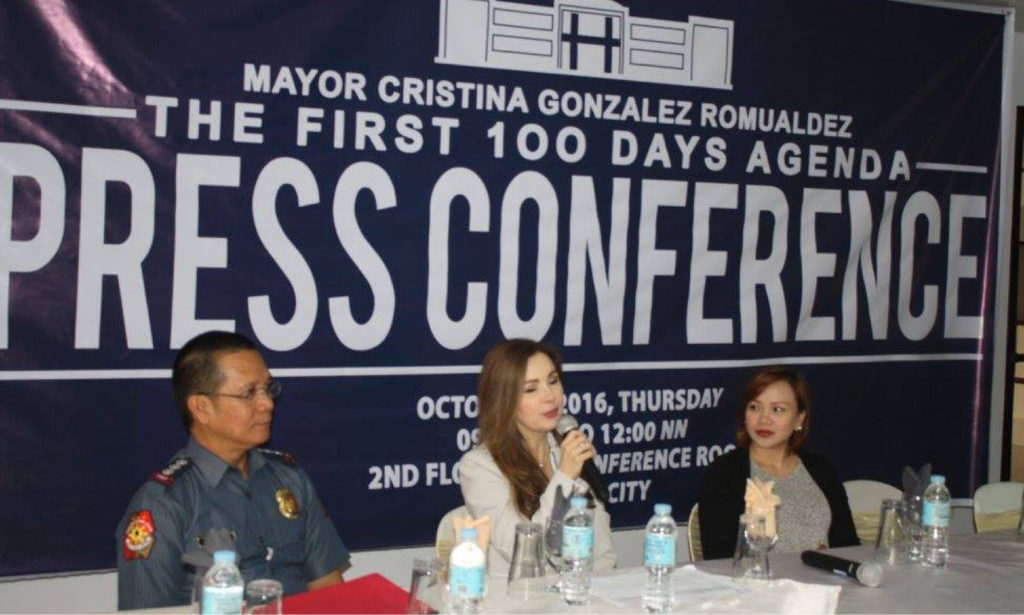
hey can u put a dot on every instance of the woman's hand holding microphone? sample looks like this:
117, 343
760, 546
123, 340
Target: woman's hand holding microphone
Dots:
576, 449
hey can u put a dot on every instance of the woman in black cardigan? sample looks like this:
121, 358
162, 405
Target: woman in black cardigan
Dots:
771, 427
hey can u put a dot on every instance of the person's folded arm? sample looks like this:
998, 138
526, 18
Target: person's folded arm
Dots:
331, 578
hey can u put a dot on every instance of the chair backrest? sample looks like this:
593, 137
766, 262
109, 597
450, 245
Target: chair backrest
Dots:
444, 542
997, 506
693, 536
865, 498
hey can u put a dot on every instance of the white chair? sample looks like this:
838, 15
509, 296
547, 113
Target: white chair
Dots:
693, 536
997, 506
444, 542
865, 498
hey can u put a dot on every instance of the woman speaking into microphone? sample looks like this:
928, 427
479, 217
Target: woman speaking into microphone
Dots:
516, 471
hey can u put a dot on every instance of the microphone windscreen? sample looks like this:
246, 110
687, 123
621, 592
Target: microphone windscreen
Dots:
870, 574
565, 424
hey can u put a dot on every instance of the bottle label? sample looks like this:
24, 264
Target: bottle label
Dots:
222, 600
659, 550
577, 542
466, 581
935, 514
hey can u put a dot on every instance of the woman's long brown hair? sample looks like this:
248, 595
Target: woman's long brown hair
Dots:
498, 392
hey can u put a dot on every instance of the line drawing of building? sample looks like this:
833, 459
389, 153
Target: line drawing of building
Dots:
592, 38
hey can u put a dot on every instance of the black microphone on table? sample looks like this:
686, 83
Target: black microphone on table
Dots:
590, 473
868, 573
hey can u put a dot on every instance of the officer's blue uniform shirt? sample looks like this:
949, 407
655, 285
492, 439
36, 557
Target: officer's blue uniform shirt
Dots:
173, 512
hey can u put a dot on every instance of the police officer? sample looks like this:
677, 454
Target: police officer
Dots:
220, 482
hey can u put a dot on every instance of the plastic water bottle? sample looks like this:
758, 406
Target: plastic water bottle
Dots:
223, 586
659, 559
466, 574
577, 552
935, 519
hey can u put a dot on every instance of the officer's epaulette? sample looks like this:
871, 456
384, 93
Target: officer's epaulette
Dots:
166, 476
283, 456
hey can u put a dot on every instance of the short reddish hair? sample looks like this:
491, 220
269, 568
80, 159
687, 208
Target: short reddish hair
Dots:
757, 384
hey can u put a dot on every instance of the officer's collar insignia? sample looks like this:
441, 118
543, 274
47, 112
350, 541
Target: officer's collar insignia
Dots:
166, 476
287, 505
139, 536
285, 457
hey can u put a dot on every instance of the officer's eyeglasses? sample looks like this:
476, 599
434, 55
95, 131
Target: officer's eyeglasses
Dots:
271, 391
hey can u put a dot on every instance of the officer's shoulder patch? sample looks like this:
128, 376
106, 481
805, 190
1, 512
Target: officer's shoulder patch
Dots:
279, 455
173, 470
139, 536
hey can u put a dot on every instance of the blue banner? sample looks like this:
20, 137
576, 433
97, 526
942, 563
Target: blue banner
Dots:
674, 193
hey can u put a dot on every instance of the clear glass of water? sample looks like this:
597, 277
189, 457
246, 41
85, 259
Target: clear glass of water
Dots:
526, 574
754, 540
263, 597
891, 543
912, 528
426, 575
553, 551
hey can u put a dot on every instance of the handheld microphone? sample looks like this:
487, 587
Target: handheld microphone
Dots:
868, 573
590, 473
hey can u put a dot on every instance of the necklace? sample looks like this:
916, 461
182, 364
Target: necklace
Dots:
543, 461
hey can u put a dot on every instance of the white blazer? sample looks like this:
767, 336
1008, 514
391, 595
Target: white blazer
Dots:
486, 491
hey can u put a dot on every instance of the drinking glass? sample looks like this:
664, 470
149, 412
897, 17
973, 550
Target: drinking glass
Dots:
425, 576
891, 542
526, 574
263, 597
753, 542
912, 528
553, 551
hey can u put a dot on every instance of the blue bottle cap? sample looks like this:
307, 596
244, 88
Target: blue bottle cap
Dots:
937, 478
467, 533
224, 556
578, 502
663, 510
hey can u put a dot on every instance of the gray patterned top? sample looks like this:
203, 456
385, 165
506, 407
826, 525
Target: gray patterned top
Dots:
804, 516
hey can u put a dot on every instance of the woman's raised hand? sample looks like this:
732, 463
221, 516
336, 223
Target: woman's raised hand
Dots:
576, 449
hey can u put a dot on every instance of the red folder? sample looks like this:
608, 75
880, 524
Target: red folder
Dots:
368, 594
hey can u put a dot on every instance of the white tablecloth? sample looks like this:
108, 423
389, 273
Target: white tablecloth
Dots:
985, 574
618, 591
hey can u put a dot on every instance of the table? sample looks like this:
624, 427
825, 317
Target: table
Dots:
985, 574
